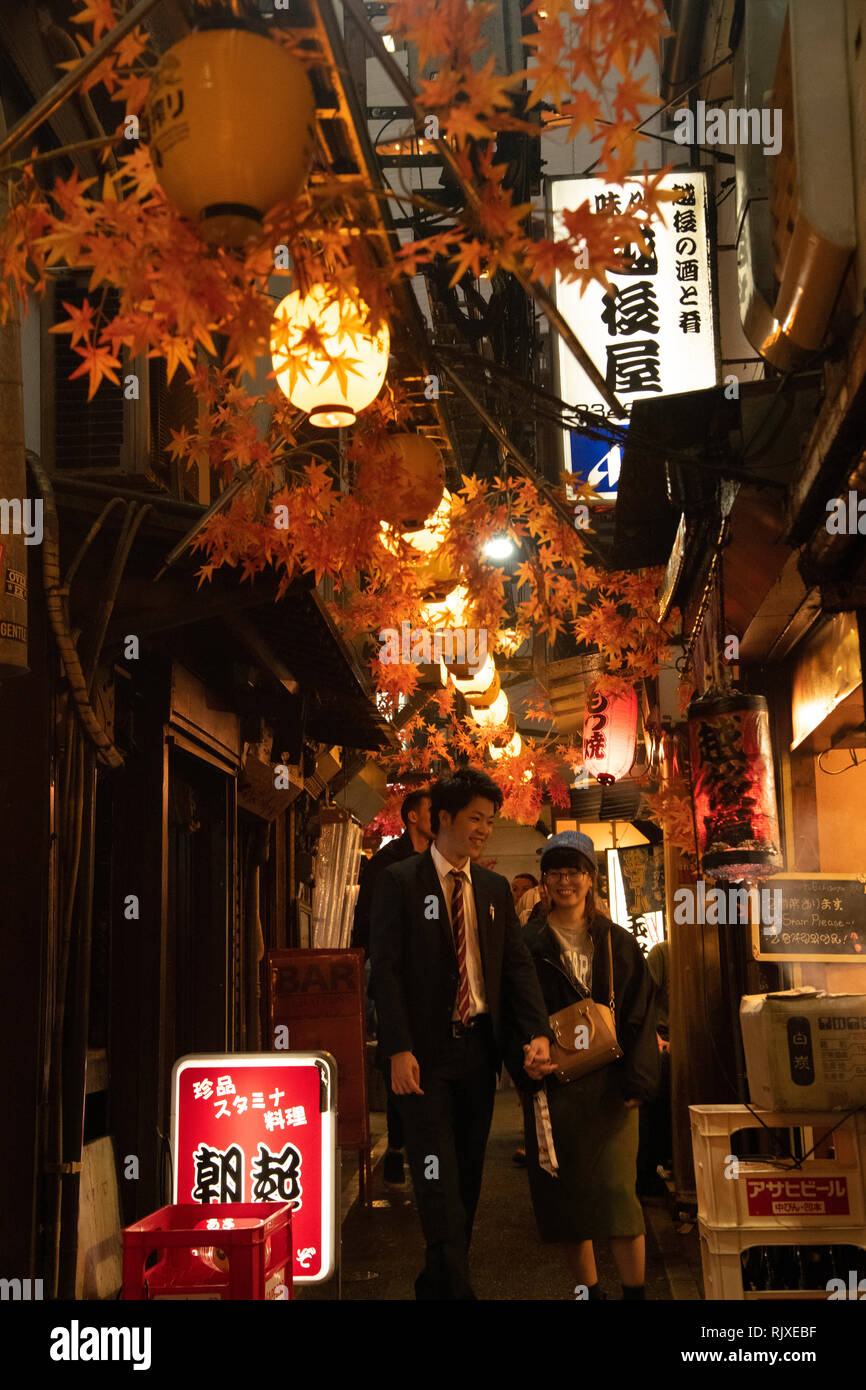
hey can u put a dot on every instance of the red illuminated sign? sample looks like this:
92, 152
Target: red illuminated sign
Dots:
797, 1196
261, 1127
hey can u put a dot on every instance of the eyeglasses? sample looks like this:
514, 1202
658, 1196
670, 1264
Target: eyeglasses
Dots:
566, 875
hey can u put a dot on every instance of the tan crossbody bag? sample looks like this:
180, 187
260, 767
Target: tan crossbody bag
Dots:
585, 1035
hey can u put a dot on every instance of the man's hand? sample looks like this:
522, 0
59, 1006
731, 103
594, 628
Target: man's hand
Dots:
536, 1059
405, 1074
630, 1104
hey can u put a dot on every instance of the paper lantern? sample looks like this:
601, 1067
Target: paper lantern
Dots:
510, 750
494, 714
450, 611
609, 732
342, 369
231, 121
733, 786
479, 688
435, 567
407, 484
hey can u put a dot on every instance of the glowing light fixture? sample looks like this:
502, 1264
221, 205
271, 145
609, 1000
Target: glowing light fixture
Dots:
499, 548
328, 360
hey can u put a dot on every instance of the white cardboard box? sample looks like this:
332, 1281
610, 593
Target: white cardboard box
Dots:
805, 1049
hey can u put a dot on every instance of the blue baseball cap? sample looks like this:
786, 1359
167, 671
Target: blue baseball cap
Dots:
572, 841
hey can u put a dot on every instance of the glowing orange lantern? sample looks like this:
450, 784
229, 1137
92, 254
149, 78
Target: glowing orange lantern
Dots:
327, 358
609, 731
231, 127
492, 715
406, 485
733, 785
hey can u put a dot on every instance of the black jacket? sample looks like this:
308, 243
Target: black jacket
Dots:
414, 965
638, 1069
392, 853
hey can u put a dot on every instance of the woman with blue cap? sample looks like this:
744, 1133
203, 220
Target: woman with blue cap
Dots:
582, 1134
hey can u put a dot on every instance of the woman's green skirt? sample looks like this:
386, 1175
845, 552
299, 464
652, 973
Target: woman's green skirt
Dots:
596, 1139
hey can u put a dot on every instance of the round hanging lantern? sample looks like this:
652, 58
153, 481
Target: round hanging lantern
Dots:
231, 121
494, 714
733, 786
485, 699
510, 750
478, 688
609, 732
435, 567
450, 611
341, 371
407, 484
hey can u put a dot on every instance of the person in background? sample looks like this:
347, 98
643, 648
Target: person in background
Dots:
522, 883
533, 905
656, 1138
448, 958
415, 815
585, 1131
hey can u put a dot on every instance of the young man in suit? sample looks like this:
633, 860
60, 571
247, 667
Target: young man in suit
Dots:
447, 958
415, 815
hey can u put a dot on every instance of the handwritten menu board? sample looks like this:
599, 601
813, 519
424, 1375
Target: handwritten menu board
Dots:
822, 918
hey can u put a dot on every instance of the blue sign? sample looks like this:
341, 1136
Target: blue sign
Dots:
597, 462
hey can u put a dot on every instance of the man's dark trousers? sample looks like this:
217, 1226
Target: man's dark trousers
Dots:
446, 1137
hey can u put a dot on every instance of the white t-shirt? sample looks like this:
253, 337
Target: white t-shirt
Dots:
575, 948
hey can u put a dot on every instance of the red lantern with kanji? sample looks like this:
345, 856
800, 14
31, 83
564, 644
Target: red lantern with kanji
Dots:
733, 786
609, 730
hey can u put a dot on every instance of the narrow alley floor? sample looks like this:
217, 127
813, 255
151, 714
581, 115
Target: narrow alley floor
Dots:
383, 1249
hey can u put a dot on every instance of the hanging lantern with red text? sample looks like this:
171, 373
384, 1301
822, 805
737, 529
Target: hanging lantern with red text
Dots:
609, 731
733, 786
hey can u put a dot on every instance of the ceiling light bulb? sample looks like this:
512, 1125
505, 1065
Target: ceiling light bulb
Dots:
499, 548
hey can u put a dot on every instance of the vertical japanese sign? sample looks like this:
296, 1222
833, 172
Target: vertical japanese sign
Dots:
654, 332
261, 1127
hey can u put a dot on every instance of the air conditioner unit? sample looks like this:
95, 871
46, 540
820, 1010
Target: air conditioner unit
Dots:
124, 431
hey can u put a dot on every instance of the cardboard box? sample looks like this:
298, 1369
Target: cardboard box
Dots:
805, 1049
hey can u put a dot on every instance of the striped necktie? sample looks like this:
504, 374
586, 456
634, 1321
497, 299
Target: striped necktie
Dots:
458, 926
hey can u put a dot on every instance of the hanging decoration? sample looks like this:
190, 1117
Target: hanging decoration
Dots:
733, 786
231, 120
328, 359
406, 485
609, 730
479, 688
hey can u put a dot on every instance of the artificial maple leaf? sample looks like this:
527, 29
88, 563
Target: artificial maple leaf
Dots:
79, 324
98, 363
100, 14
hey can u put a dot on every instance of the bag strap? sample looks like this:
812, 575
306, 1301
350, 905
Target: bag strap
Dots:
610, 959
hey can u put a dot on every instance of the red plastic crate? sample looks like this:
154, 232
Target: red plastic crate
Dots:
249, 1259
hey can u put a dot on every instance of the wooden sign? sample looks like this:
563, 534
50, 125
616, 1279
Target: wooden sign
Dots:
822, 918
319, 996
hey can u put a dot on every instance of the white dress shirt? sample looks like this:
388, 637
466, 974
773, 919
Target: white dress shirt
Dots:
473, 950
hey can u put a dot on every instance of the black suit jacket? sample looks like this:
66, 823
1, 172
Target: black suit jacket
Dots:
414, 964
389, 854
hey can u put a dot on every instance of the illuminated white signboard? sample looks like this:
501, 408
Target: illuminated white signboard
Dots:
655, 333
